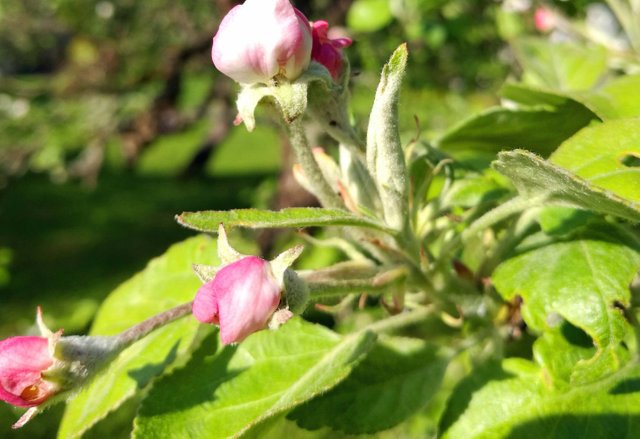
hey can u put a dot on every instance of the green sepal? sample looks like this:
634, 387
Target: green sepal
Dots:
289, 97
204, 272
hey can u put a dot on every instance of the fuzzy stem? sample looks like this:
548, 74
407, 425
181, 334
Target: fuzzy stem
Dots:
503, 211
380, 283
310, 167
135, 333
401, 320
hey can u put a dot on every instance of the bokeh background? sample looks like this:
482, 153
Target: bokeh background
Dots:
113, 119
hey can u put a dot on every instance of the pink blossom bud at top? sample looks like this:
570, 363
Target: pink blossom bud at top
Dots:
241, 298
327, 51
22, 362
544, 19
260, 39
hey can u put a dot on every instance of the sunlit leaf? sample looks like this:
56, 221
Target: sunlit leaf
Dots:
616, 99
534, 176
397, 378
167, 281
585, 282
562, 66
514, 402
497, 129
235, 389
603, 155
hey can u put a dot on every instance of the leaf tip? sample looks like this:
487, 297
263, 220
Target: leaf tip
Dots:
398, 60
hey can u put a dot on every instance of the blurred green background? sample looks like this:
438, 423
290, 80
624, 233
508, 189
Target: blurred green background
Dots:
113, 119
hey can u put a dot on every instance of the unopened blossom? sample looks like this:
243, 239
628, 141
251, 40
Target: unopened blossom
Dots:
241, 298
261, 39
37, 371
23, 360
328, 51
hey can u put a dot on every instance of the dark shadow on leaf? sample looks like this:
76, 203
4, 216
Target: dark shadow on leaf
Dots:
195, 383
575, 335
593, 426
463, 392
630, 159
146, 373
575, 222
631, 385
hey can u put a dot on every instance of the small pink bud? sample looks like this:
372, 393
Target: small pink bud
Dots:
327, 51
260, 39
241, 298
22, 362
544, 19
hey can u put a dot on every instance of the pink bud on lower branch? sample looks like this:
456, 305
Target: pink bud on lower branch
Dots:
244, 294
241, 298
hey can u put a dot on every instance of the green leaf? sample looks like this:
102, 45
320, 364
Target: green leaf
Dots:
534, 176
238, 388
616, 99
166, 282
496, 129
297, 217
385, 155
598, 154
504, 402
585, 282
530, 95
369, 15
559, 350
563, 221
398, 378
473, 191
560, 66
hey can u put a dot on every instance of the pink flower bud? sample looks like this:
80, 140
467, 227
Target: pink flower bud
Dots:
327, 51
241, 298
544, 19
260, 39
22, 362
